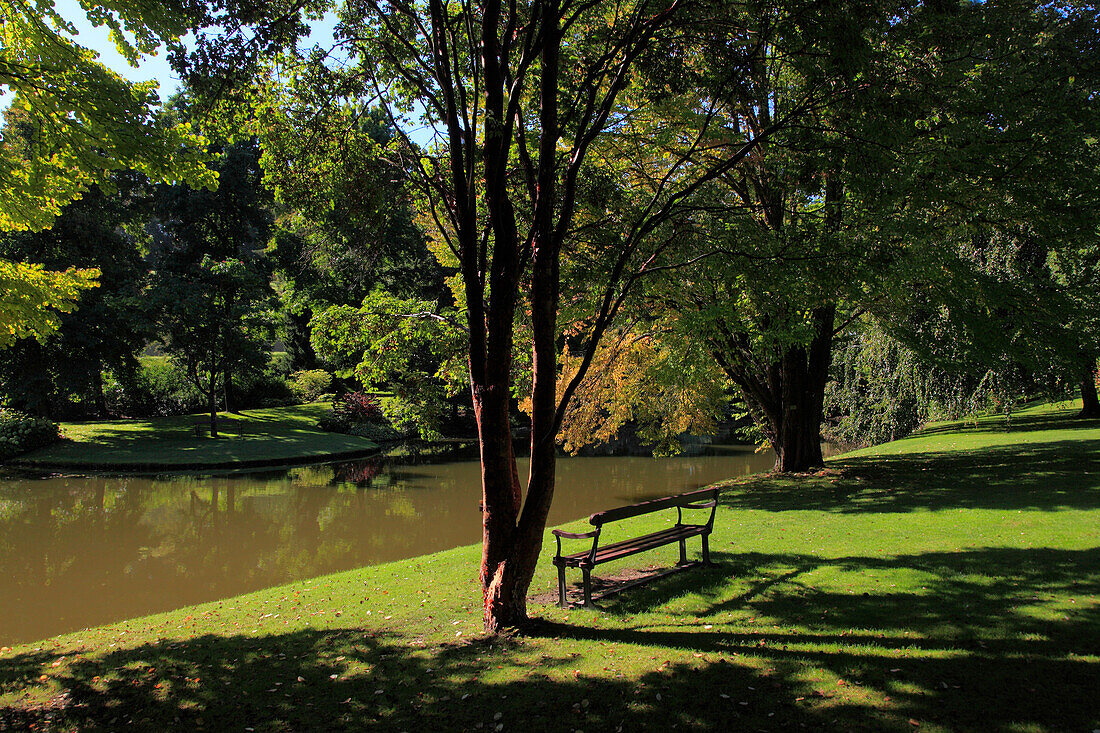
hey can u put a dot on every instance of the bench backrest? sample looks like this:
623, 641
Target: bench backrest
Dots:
645, 507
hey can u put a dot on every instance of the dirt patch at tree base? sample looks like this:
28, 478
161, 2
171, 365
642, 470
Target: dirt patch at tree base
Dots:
602, 585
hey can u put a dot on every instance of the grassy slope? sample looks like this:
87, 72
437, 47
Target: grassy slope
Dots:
272, 434
949, 582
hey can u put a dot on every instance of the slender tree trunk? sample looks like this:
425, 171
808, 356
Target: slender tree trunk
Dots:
100, 397
302, 355
1090, 406
212, 401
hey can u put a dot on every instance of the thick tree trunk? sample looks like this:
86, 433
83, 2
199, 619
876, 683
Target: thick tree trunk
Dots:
1090, 406
796, 435
787, 399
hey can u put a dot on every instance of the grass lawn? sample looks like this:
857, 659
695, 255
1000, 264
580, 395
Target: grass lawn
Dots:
275, 434
947, 582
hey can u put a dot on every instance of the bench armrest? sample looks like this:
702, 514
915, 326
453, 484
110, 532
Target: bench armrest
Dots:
712, 505
594, 535
575, 535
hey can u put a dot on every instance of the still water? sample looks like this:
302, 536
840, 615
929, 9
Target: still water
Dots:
79, 551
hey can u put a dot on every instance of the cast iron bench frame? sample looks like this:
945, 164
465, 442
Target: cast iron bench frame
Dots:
680, 532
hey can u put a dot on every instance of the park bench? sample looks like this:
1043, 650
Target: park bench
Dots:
228, 424
597, 554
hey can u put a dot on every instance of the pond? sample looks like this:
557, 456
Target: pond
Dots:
79, 551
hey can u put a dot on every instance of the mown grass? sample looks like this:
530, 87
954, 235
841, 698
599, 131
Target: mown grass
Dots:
275, 434
949, 583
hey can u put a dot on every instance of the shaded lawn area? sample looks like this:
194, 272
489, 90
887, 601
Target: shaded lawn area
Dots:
271, 434
959, 598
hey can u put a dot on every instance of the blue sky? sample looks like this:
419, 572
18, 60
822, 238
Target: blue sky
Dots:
150, 67
155, 67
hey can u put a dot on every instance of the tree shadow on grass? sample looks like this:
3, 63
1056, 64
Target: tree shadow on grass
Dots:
1047, 476
995, 639
351, 680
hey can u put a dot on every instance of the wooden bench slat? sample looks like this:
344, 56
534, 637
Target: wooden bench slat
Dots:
645, 507
605, 553
641, 544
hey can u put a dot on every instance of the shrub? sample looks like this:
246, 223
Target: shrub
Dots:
160, 387
310, 384
356, 407
377, 432
157, 387
269, 388
359, 414
20, 433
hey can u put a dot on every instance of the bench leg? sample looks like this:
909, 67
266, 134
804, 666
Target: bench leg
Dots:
706, 549
562, 602
587, 586
683, 552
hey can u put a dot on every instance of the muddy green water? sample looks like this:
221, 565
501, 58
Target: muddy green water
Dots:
79, 551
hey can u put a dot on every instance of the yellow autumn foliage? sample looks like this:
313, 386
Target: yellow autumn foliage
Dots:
665, 388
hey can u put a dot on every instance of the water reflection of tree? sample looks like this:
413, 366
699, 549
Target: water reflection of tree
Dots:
60, 544
84, 551
359, 473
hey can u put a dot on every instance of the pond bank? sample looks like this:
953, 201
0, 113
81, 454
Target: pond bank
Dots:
271, 437
947, 582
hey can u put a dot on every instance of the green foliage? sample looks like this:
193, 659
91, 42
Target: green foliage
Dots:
20, 433
32, 298
211, 286
79, 120
877, 391
267, 388
410, 347
61, 375
308, 385
374, 431
158, 387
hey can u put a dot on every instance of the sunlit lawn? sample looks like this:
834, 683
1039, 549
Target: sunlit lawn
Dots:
269, 435
947, 582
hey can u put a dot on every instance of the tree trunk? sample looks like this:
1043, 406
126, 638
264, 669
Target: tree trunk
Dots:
787, 399
302, 355
512, 541
1090, 406
501, 496
100, 397
227, 391
212, 402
